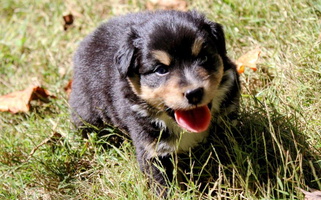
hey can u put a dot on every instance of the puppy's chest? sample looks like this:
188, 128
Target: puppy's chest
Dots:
179, 140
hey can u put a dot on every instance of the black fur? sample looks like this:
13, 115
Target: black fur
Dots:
118, 52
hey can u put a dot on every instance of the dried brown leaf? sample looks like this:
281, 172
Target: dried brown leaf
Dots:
249, 59
19, 101
69, 20
166, 4
67, 88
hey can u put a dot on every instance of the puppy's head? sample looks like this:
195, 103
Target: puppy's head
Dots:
175, 63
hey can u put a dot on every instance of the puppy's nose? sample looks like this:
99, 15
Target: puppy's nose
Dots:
195, 96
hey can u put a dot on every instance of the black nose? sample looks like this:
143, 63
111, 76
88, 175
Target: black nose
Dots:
194, 96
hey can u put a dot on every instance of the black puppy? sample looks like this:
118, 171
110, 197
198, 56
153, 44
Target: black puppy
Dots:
163, 77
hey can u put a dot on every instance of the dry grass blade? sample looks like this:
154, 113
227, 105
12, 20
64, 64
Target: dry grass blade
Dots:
52, 138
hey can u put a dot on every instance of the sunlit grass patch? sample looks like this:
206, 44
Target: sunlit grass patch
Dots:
273, 151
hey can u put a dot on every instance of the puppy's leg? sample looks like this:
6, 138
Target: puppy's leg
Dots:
159, 171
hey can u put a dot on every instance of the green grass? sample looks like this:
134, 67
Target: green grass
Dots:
275, 149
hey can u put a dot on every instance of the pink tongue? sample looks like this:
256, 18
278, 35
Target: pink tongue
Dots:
195, 120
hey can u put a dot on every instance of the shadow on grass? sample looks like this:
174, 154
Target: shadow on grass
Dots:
266, 155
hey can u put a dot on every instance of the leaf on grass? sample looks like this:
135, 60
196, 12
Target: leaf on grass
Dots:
19, 101
166, 4
67, 88
69, 20
248, 60
314, 195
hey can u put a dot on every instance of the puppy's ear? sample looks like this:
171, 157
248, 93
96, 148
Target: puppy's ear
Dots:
217, 34
124, 57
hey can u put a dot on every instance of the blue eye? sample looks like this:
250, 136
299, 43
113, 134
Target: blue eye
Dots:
161, 70
203, 59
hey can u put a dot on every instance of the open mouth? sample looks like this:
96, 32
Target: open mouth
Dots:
193, 120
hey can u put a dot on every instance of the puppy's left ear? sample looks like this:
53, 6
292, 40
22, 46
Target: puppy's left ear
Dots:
217, 34
124, 57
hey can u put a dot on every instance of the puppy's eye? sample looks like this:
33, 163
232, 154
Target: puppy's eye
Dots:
161, 70
203, 59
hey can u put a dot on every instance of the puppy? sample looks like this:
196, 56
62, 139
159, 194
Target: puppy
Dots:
163, 77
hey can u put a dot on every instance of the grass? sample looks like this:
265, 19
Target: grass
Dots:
275, 149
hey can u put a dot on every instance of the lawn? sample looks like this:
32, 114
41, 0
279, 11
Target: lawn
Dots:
274, 151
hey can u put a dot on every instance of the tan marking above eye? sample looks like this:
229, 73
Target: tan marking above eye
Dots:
197, 46
162, 56
134, 84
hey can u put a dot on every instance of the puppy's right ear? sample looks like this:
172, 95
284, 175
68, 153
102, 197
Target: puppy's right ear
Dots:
217, 34
124, 57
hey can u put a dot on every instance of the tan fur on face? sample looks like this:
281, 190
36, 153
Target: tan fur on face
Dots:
164, 95
197, 46
171, 94
162, 57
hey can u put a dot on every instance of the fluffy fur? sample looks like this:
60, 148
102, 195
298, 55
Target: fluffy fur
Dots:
134, 71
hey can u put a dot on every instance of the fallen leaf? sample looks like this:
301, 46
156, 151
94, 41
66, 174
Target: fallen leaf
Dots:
314, 195
67, 88
19, 101
69, 20
166, 4
248, 60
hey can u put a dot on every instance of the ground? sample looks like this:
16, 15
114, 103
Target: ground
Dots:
274, 151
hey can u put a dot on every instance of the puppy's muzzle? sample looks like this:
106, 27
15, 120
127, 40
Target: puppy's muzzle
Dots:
195, 96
